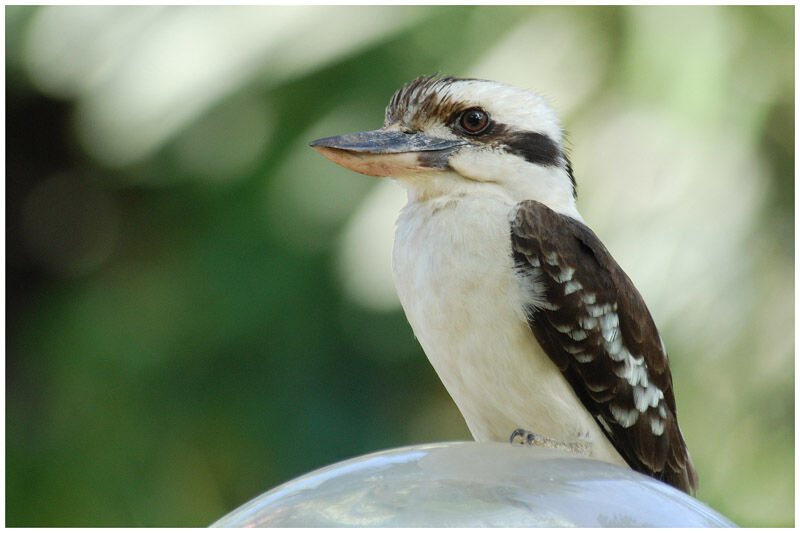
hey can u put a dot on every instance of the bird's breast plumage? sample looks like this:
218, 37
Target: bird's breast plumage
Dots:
455, 277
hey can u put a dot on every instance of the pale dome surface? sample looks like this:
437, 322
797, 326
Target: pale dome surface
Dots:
470, 484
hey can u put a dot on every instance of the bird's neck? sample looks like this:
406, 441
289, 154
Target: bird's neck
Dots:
550, 186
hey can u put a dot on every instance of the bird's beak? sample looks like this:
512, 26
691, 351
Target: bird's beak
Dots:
388, 152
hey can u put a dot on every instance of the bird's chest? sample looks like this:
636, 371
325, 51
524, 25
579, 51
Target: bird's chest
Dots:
454, 274
453, 268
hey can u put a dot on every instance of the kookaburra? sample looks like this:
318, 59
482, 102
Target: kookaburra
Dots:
525, 315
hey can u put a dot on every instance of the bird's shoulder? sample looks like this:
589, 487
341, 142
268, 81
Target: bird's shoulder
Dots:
594, 325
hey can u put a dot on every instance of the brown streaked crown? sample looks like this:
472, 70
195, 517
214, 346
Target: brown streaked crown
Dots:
423, 99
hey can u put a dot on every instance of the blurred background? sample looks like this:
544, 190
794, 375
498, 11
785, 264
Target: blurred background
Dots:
199, 307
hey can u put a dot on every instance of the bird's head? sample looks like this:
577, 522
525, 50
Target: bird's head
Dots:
451, 135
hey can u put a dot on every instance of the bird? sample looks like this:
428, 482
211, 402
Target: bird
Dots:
532, 326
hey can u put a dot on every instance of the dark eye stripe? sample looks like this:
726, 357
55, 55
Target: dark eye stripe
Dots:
534, 147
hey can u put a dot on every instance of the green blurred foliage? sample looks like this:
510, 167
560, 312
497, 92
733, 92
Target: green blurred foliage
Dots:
177, 338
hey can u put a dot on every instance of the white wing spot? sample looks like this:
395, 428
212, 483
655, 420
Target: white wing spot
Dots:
572, 286
657, 426
551, 258
577, 335
609, 321
634, 371
589, 298
662, 411
587, 323
594, 310
615, 349
584, 357
657, 396
647, 396
565, 274
639, 376
597, 311
625, 417
534, 262
562, 329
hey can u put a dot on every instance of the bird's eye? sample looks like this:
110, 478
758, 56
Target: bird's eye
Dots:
474, 120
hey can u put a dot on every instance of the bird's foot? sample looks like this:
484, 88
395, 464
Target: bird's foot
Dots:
534, 439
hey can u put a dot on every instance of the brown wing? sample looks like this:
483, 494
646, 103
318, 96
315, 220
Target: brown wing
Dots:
594, 325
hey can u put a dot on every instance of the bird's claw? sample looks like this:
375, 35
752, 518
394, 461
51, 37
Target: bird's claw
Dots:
530, 438
525, 436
